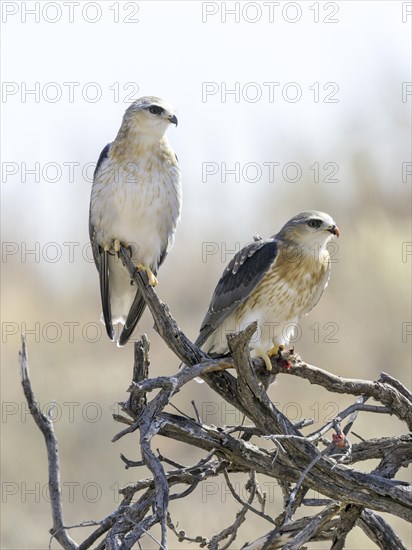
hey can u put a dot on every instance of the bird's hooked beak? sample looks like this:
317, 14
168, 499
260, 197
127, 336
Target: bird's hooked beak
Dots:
334, 230
173, 119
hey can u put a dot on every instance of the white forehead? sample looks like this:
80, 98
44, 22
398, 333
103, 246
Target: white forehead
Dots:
147, 101
324, 216
310, 214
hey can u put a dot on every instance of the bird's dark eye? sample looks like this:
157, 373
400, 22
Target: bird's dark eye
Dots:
155, 110
315, 223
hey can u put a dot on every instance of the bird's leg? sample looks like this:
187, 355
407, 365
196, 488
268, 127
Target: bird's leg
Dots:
267, 361
117, 245
276, 350
140, 267
260, 352
151, 276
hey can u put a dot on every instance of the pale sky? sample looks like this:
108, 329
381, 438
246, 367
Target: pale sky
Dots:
347, 74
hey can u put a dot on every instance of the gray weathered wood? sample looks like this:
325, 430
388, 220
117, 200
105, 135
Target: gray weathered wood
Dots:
298, 462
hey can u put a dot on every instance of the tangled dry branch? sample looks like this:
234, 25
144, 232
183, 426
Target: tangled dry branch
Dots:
350, 497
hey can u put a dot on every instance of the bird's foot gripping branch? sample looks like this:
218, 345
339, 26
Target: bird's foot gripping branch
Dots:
323, 460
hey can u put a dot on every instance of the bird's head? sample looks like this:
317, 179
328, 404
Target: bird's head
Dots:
149, 116
309, 229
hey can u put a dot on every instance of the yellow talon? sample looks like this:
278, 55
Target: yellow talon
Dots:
266, 359
149, 272
276, 350
116, 245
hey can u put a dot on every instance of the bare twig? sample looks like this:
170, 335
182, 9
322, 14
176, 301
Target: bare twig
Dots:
245, 504
231, 530
348, 495
387, 379
279, 537
45, 425
379, 531
387, 394
313, 527
181, 534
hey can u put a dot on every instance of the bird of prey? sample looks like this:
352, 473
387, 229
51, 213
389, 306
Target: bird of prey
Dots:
135, 203
274, 281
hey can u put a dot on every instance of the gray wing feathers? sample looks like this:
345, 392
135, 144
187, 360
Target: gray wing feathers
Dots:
103, 155
103, 267
101, 260
136, 311
238, 281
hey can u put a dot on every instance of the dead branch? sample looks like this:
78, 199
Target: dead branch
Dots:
298, 462
45, 425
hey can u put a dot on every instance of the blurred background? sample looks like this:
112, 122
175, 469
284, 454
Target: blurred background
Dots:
282, 107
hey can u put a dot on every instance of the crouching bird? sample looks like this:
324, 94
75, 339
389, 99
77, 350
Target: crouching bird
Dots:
274, 281
135, 203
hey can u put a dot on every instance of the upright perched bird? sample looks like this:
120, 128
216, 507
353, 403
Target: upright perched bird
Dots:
135, 202
274, 281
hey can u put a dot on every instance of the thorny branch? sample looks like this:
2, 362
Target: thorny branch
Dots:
350, 497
